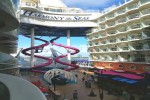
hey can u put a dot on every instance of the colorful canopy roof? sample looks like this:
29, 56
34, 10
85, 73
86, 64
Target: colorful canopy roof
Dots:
126, 75
125, 80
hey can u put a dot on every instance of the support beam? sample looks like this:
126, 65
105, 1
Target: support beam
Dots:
32, 51
68, 44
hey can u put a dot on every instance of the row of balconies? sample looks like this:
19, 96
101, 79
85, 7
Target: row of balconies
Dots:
122, 21
116, 32
121, 58
121, 48
121, 28
124, 38
123, 11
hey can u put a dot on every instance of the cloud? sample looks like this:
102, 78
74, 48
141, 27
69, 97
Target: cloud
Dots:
87, 4
91, 4
83, 50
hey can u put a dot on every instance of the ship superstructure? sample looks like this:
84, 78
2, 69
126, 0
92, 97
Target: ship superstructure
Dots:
122, 39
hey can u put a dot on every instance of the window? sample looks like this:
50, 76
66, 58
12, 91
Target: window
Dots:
121, 66
133, 67
111, 65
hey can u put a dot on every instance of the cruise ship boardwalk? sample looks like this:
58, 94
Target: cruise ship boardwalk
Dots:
66, 91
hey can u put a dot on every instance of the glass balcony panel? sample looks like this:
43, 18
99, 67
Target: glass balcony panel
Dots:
132, 16
102, 26
96, 43
145, 35
110, 16
146, 23
133, 6
121, 11
29, 4
138, 47
123, 39
123, 29
121, 20
144, 1
111, 24
113, 49
111, 32
104, 49
102, 19
104, 42
135, 26
125, 48
146, 11
112, 41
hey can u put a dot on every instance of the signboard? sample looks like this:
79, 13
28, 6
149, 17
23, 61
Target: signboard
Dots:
55, 17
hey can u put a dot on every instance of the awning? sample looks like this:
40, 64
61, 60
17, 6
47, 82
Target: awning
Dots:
123, 74
125, 80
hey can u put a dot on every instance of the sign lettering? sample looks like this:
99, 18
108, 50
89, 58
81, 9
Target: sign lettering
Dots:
54, 17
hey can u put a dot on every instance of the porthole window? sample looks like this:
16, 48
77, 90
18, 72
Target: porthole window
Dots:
111, 65
120, 66
147, 68
133, 67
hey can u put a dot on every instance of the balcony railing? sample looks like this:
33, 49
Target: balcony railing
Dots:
137, 15
145, 11
112, 41
103, 27
123, 39
29, 4
122, 29
121, 20
133, 6
110, 16
102, 19
145, 35
146, 23
135, 26
112, 32
121, 11
111, 24
125, 48
113, 49
144, 1
138, 47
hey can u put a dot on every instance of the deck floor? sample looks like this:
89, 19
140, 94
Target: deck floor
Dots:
66, 91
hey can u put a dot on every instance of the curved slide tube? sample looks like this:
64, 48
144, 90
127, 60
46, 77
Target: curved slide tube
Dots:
33, 69
57, 59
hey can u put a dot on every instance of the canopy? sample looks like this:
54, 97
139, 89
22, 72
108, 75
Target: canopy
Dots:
130, 81
123, 74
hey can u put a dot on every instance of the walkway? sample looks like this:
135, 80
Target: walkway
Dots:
83, 92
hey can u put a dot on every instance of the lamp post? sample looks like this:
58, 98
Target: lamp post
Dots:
100, 85
54, 82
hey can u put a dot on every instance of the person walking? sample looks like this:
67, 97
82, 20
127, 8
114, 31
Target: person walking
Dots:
83, 79
125, 95
75, 95
131, 97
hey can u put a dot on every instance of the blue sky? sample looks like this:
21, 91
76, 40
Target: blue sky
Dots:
79, 42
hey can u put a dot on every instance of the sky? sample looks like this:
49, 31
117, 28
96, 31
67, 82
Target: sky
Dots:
79, 42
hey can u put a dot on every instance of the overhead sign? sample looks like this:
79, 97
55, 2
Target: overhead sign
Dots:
54, 17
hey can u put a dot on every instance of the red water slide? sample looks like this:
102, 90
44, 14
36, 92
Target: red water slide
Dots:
33, 69
57, 59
